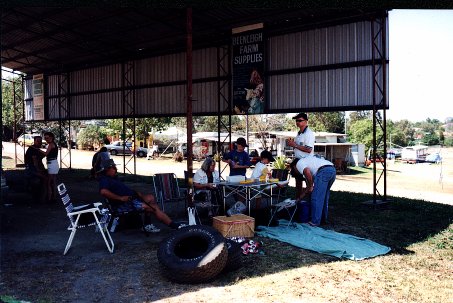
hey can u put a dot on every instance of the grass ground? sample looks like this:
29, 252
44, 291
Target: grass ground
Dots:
418, 269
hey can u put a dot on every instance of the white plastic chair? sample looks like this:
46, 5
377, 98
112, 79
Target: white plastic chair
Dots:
101, 218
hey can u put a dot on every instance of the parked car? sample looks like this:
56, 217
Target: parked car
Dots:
119, 147
28, 139
142, 152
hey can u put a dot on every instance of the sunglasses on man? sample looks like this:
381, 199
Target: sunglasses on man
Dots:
300, 120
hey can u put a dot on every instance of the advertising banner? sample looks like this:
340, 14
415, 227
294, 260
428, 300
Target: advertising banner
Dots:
38, 97
248, 69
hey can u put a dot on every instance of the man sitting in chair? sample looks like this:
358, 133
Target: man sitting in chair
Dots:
114, 190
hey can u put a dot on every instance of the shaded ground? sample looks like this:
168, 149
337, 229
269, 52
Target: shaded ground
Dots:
417, 270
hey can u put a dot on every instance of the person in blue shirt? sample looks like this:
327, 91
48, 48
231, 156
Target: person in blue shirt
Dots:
238, 159
126, 199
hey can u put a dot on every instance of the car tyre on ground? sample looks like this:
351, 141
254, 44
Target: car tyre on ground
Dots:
193, 254
234, 261
113, 152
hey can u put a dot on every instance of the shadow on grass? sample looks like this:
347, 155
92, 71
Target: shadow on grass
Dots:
398, 223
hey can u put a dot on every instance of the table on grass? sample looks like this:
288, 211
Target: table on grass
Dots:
248, 191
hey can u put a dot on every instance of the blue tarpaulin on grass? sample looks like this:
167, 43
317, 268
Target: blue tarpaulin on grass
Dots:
324, 241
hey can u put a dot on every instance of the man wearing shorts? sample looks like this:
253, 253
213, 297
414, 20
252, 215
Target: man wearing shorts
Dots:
126, 199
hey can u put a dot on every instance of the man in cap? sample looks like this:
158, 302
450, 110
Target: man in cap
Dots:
238, 159
319, 175
126, 199
303, 143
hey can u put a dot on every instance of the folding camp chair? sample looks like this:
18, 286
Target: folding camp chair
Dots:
167, 189
281, 175
85, 215
130, 216
288, 205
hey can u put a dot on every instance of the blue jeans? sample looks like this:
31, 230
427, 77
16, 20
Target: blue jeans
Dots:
321, 192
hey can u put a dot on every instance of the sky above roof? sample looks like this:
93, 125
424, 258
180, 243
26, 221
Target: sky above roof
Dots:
421, 64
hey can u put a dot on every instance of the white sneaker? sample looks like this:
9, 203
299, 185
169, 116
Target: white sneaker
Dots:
150, 228
181, 225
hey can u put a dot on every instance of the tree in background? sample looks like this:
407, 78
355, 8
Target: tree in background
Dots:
263, 124
361, 131
206, 123
91, 136
332, 122
143, 126
8, 106
359, 115
400, 132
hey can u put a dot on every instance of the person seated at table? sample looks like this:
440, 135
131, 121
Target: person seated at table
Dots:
262, 171
238, 159
261, 168
127, 199
202, 182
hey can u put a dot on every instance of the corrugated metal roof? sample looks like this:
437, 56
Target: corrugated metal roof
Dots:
50, 39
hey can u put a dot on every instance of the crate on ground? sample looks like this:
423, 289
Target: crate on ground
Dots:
235, 226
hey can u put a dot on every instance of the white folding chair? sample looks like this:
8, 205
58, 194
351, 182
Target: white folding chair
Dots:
80, 216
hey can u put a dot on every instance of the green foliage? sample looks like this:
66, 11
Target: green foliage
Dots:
207, 123
430, 139
361, 131
359, 115
8, 100
448, 141
91, 135
280, 162
401, 132
142, 127
332, 122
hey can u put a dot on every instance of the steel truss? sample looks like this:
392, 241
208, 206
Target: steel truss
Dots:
223, 68
128, 95
19, 119
379, 91
64, 119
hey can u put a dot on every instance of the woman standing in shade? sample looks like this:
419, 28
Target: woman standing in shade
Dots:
52, 165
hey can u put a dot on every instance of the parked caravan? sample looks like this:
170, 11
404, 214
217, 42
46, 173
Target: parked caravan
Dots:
414, 154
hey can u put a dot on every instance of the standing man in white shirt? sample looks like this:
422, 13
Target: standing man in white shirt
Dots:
303, 143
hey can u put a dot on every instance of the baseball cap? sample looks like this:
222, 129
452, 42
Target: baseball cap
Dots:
301, 115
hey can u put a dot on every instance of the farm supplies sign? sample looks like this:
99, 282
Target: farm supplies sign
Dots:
248, 68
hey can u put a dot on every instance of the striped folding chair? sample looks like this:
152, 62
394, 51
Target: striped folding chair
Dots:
167, 190
84, 216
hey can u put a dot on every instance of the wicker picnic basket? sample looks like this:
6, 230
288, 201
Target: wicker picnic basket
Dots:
235, 226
